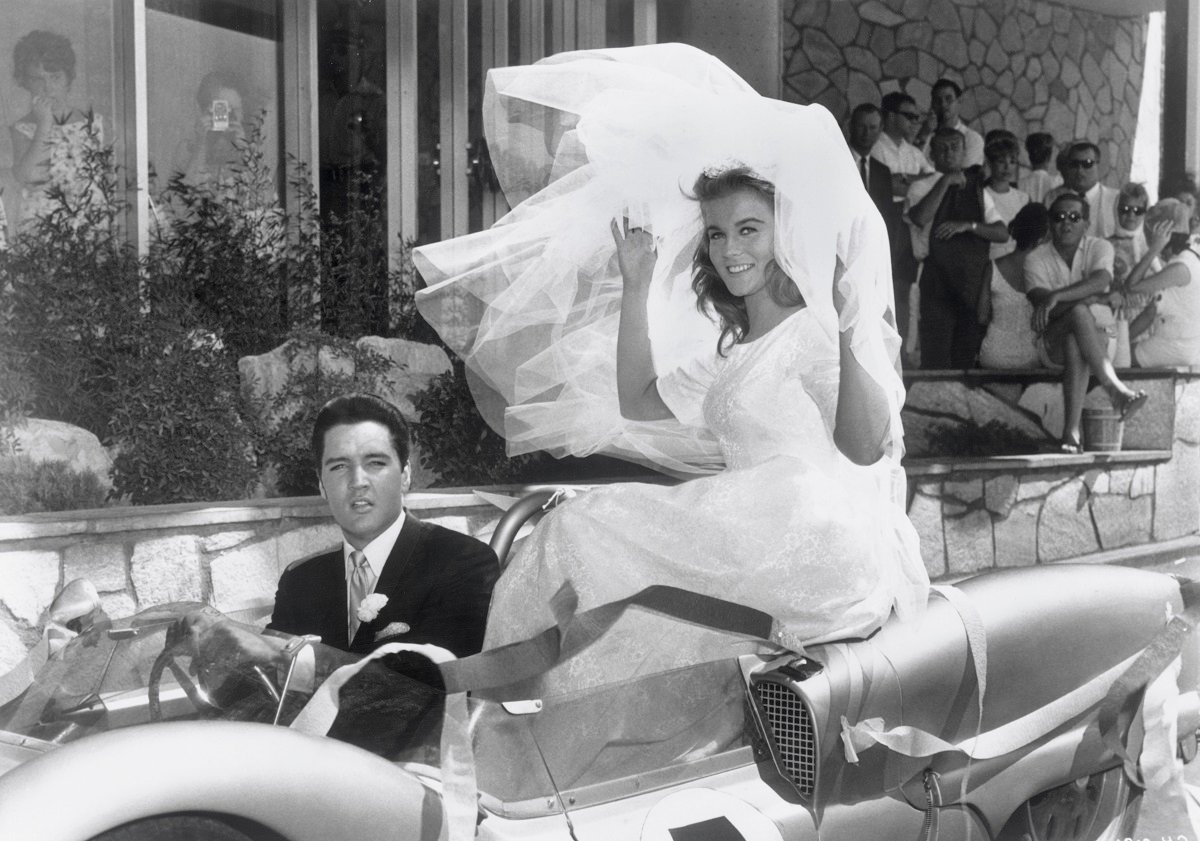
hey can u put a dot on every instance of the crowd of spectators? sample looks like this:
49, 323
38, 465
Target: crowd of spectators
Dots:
1005, 263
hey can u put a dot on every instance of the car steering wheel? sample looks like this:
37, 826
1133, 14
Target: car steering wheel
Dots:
195, 690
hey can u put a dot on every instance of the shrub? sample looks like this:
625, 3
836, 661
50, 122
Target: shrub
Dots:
116, 345
29, 487
455, 441
178, 424
142, 351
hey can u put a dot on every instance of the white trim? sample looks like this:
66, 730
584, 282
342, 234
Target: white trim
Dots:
454, 136
402, 148
132, 140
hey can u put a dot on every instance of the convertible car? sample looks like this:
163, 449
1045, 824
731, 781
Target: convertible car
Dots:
1026, 704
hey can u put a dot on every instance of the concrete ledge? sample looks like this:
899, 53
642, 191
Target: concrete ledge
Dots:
1029, 375
925, 467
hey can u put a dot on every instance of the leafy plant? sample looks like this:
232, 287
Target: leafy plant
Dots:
29, 487
457, 443
993, 438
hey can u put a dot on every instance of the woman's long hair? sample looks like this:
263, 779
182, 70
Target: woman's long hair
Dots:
711, 293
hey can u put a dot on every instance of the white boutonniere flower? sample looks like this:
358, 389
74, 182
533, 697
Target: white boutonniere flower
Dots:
370, 606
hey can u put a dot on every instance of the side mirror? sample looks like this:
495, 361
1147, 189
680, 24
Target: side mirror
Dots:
75, 607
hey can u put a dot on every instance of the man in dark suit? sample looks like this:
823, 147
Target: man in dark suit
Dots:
395, 578
866, 122
960, 222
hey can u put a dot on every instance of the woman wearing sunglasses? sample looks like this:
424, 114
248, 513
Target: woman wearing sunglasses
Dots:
1129, 239
1168, 331
1065, 278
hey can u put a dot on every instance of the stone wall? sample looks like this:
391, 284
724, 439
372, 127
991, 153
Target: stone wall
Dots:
979, 514
970, 514
229, 555
1026, 66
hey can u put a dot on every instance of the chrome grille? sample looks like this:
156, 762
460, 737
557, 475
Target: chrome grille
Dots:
795, 741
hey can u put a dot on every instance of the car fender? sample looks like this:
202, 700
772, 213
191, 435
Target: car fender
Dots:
306, 788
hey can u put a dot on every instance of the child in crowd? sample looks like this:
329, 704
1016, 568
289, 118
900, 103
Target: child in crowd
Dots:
1039, 180
1001, 154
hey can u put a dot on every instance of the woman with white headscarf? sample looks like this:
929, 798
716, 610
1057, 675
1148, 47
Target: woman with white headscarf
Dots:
693, 277
1167, 331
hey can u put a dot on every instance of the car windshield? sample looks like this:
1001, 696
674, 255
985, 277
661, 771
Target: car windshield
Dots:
614, 740
604, 740
119, 674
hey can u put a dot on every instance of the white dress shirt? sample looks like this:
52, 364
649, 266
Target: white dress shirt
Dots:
377, 552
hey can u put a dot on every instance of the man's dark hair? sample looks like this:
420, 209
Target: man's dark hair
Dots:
946, 83
1075, 197
947, 135
863, 109
1039, 146
1080, 146
894, 101
360, 407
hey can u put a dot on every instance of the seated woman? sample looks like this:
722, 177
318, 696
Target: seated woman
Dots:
1010, 341
1129, 239
797, 391
1065, 277
1167, 332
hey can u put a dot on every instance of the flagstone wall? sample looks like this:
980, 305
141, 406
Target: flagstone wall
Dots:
1025, 66
971, 515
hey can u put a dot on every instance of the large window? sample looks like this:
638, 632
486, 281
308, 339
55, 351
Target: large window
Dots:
379, 99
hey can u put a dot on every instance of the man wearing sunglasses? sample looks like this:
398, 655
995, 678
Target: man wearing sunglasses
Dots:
1065, 276
895, 148
901, 121
1080, 166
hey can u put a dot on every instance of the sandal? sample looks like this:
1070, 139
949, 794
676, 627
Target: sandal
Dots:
1070, 447
1128, 405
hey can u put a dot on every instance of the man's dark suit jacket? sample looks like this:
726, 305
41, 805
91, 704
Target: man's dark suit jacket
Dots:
879, 188
437, 581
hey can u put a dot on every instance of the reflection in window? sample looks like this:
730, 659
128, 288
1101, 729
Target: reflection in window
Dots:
213, 83
56, 101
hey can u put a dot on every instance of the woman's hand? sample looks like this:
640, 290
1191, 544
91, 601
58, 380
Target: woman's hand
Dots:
42, 108
635, 254
1159, 234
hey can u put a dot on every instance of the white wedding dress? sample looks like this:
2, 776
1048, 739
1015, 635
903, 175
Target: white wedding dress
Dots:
788, 525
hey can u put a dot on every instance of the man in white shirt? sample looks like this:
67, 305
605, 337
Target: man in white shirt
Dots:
901, 121
1080, 166
1063, 277
943, 112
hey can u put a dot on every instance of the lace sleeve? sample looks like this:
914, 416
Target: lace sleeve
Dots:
684, 389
